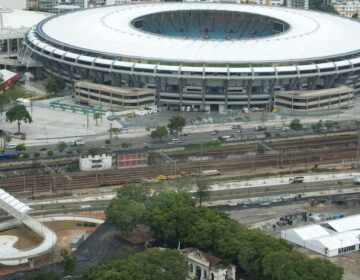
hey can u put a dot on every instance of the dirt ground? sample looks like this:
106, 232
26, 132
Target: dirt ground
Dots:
267, 216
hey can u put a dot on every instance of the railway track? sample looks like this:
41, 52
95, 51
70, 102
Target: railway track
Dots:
292, 158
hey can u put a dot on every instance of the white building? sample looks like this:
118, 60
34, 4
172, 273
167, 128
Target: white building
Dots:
13, 4
331, 238
203, 266
95, 163
348, 9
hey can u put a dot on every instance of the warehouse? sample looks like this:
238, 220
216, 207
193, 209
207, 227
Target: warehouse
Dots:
332, 238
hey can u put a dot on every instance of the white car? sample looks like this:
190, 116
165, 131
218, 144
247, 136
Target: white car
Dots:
10, 146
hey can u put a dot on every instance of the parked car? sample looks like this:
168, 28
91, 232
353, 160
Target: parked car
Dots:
260, 128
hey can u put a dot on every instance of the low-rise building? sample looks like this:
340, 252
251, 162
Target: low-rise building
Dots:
331, 238
203, 266
310, 101
348, 9
111, 97
95, 162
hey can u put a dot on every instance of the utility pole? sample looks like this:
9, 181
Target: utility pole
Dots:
357, 148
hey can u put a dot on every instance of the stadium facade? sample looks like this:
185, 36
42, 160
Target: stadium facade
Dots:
210, 56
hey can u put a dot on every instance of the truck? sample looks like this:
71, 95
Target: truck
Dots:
297, 179
211, 172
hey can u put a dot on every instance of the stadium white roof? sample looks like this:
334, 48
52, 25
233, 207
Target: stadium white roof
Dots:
108, 30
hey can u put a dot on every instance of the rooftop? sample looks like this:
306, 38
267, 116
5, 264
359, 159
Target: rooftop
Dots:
108, 30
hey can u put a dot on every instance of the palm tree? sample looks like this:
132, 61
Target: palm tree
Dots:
202, 190
61, 146
97, 116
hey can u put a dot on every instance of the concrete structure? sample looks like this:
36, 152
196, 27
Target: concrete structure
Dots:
19, 210
348, 9
203, 266
13, 26
331, 238
263, 50
110, 97
304, 101
97, 162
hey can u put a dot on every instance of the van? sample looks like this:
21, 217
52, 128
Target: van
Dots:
175, 141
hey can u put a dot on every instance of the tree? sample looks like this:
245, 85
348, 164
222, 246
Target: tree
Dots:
202, 191
20, 147
330, 125
14, 92
68, 261
152, 264
159, 132
356, 15
18, 114
54, 84
4, 100
320, 5
317, 126
61, 147
296, 125
96, 117
124, 213
41, 275
176, 125
136, 192
115, 130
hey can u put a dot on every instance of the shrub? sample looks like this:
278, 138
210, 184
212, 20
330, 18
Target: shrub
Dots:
20, 147
36, 155
50, 153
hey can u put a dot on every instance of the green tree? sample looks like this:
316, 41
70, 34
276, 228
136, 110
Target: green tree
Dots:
50, 153
320, 5
356, 15
202, 190
317, 126
124, 213
116, 131
136, 192
125, 145
159, 132
176, 125
68, 262
54, 84
20, 147
96, 117
61, 147
14, 92
296, 125
4, 100
330, 125
18, 114
41, 275
152, 264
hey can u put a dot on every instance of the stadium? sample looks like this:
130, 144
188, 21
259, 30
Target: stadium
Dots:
202, 56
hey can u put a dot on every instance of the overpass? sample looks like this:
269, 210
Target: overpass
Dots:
8, 254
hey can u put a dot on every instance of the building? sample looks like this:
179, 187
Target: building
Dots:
308, 101
8, 78
209, 56
348, 9
13, 26
331, 238
110, 97
95, 163
203, 266
13, 4
132, 158
302, 4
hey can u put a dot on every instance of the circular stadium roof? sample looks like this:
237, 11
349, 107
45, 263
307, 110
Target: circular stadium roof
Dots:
109, 30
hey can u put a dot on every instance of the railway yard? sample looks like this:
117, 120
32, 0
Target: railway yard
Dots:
239, 161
